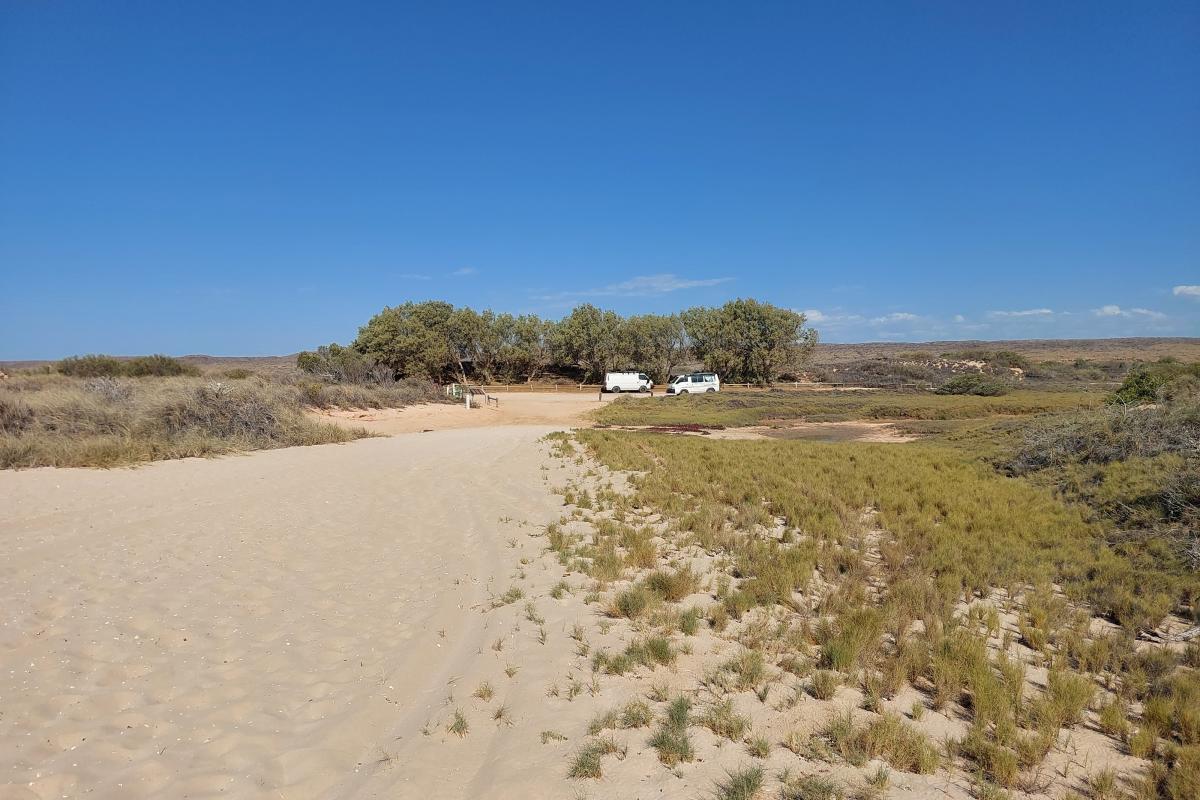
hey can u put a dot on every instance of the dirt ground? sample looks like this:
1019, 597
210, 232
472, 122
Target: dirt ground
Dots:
563, 409
281, 624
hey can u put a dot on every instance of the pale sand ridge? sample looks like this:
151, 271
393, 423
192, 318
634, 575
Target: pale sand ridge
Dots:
252, 626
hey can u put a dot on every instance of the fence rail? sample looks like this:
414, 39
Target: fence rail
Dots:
501, 388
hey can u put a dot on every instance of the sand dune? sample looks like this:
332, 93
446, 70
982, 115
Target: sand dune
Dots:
280, 624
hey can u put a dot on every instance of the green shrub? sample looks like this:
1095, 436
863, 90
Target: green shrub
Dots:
1145, 383
97, 366
92, 366
979, 385
159, 366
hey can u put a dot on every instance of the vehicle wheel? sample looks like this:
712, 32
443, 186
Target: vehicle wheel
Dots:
706, 391
682, 391
615, 390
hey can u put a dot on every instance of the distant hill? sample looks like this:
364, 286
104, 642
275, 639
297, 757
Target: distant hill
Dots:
260, 363
1128, 349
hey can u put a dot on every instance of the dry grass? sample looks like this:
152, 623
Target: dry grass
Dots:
891, 569
732, 409
57, 420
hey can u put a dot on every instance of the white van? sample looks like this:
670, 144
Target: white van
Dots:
696, 382
627, 382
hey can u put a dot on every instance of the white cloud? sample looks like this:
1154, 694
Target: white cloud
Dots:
1117, 311
465, 271
661, 284
896, 316
642, 286
830, 318
959, 318
1186, 291
1028, 312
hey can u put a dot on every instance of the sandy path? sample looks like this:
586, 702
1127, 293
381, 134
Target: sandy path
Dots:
261, 625
563, 409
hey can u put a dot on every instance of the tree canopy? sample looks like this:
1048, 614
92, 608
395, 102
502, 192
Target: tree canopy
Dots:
743, 340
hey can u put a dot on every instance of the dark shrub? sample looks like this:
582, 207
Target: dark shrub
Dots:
338, 364
980, 385
158, 366
1147, 383
92, 366
97, 366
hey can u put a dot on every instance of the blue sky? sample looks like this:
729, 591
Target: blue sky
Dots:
252, 178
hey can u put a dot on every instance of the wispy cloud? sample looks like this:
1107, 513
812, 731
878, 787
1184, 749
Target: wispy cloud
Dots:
641, 286
830, 318
1028, 312
1186, 291
1117, 311
458, 273
896, 316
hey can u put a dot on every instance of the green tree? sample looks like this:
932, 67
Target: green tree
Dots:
414, 339
590, 338
745, 340
477, 338
525, 350
656, 343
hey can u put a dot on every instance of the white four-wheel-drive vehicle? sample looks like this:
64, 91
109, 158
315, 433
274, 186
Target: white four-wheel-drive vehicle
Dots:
627, 382
694, 383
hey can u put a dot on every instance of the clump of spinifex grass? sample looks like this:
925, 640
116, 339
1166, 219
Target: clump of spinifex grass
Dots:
741, 784
671, 739
887, 737
588, 761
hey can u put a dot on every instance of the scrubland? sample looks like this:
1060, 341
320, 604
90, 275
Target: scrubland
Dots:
68, 420
744, 408
990, 611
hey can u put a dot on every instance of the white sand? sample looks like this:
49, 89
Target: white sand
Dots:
268, 625
567, 409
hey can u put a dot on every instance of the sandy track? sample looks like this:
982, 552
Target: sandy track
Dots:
261, 625
565, 409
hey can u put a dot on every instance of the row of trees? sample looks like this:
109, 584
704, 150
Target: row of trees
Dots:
743, 340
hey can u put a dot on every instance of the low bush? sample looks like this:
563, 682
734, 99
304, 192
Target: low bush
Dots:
1147, 383
106, 420
979, 385
99, 366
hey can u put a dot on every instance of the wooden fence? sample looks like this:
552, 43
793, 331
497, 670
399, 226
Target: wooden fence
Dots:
793, 385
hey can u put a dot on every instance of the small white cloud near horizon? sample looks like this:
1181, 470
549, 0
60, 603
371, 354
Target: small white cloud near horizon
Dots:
458, 273
1028, 312
896, 316
1186, 291
959, 318
642, 286
1116, 311
814, 316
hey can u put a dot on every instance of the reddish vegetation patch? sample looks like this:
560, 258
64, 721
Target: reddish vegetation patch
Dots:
688, 427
